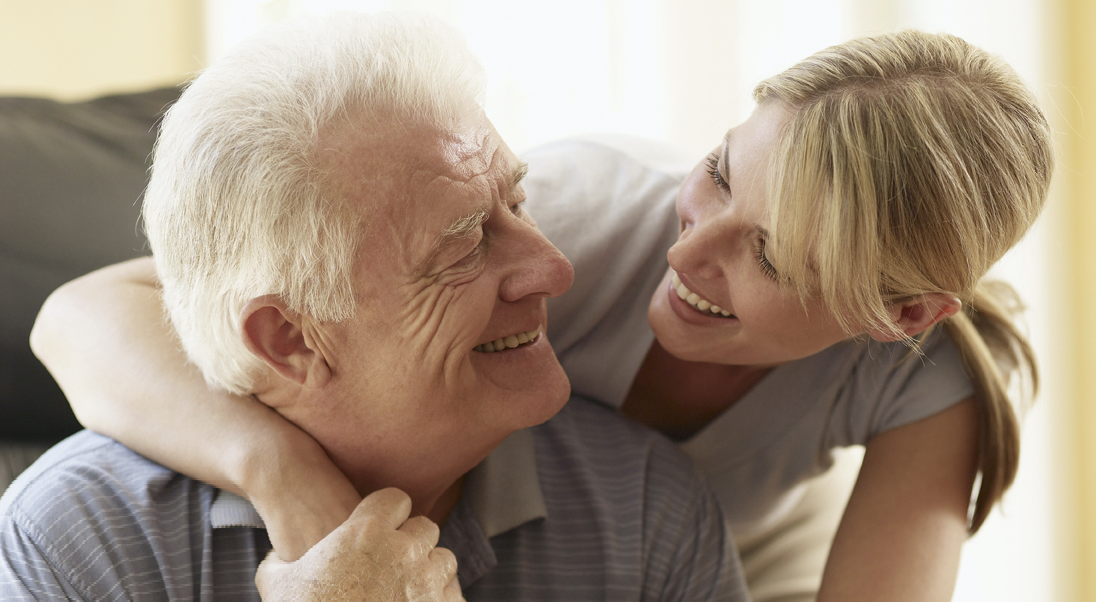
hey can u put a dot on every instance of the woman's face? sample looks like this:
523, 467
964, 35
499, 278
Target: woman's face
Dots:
720, 260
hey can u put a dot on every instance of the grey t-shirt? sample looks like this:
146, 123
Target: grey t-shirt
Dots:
587, 506
611, 212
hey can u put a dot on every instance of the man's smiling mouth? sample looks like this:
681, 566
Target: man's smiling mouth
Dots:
693, 299
509, 342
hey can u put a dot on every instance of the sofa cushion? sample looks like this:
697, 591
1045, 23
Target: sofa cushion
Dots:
71, 178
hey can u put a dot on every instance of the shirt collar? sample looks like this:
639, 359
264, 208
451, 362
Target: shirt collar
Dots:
231, 510
503, 491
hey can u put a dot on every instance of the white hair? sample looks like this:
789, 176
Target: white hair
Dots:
237, 208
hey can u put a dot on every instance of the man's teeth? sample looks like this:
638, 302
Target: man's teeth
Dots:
509, 342
694, 299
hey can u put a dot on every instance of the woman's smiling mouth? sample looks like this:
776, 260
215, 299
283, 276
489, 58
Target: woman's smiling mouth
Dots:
702, 305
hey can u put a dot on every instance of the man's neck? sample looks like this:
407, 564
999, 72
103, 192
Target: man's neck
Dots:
434, 483
419, 463
441, 508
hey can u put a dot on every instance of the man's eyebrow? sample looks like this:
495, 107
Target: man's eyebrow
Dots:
463, 227
519, 173
466, 226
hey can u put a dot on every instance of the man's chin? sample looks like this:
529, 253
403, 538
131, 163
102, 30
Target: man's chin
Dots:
541, 399
549, 400
533, 385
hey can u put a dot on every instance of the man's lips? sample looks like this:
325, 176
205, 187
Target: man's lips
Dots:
512, 341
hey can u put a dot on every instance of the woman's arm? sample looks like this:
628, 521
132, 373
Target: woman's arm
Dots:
105, 340
906, 521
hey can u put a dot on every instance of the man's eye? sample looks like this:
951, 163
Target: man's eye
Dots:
475, 252
516, 208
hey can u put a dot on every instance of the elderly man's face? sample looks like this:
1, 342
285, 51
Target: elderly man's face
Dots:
450, 263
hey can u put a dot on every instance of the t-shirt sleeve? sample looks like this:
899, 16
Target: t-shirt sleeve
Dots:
898, 387
691, 554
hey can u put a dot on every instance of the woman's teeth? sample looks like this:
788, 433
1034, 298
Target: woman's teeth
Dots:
694, 299
510, 342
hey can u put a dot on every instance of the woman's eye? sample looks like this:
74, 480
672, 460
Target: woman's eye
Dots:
763, 262
713, 171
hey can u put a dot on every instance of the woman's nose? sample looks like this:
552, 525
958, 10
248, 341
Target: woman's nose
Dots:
692, 254
698, 249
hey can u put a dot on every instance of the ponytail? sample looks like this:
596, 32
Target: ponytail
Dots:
993, 349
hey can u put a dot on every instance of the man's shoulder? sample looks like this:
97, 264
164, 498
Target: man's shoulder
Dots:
627, 515
597, 453
605, 439
93, 517
93, 471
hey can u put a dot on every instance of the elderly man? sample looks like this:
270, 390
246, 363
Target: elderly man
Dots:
339, 232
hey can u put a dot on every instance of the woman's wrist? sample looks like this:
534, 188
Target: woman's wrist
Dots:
295, 487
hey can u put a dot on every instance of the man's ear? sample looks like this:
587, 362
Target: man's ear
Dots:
280, 337
917, 314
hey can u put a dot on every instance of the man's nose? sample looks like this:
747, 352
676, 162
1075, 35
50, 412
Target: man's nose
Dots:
537, 268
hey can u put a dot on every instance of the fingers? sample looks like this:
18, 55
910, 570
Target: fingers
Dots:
445, 562
452, 592
271, 570
421, 529
391, 506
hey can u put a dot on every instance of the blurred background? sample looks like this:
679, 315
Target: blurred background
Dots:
681, 71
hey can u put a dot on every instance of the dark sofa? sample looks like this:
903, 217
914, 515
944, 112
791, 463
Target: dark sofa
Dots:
71, 178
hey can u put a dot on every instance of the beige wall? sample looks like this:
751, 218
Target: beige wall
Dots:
74, 49
1077, 174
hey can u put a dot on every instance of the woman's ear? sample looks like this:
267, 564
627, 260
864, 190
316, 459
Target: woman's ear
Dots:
914, 316
276, 335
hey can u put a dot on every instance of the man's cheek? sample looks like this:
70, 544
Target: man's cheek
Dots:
441, 326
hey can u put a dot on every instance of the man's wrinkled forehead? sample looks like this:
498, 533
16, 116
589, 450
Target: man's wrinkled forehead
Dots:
467, 150
414, 182
381, 158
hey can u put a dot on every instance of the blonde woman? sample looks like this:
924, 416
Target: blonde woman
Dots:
823, 289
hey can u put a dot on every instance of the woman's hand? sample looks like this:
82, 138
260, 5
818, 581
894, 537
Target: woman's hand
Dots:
302, 498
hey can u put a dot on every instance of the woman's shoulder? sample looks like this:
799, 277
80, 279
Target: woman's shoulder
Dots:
581, 186
612, 215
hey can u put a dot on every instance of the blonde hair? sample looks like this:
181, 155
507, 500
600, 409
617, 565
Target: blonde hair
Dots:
911, 164
237, 206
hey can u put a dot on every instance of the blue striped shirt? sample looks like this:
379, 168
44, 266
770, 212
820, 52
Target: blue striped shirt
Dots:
587, 506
